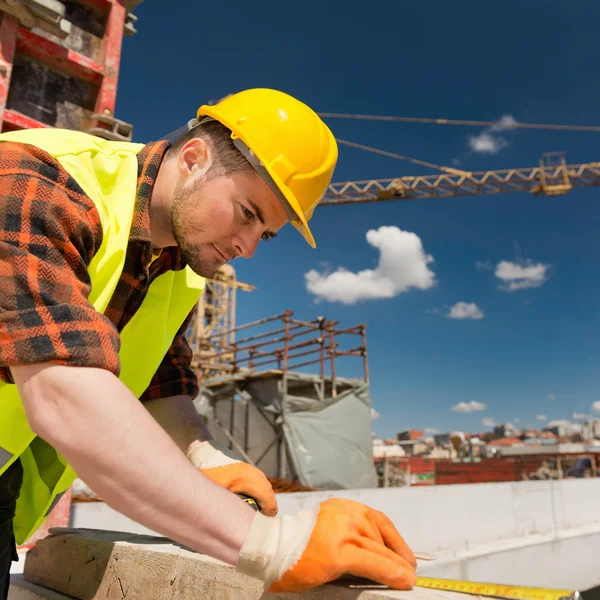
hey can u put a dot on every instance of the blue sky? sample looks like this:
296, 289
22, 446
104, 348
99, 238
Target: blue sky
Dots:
536, 350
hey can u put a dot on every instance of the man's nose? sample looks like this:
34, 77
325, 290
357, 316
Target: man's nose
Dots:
245, 245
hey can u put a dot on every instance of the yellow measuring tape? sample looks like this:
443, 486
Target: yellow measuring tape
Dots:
516, 592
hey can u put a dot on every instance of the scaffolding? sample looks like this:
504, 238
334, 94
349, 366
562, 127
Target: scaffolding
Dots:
212, 329
256, 393
290, 345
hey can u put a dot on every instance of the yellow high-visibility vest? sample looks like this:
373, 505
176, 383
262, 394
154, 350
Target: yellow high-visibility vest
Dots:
107, 172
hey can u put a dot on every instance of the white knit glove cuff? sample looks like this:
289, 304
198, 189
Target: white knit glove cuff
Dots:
209, 454
275, 544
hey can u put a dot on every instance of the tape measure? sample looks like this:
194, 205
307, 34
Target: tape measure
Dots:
515, 592
475, 588
250, 501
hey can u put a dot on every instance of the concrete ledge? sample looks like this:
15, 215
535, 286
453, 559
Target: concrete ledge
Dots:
92, 565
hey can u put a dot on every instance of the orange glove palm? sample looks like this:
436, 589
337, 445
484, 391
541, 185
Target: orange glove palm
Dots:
296, 553
218, 464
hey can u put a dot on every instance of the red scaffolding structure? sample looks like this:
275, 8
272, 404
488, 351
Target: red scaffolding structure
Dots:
61, 69
280, 343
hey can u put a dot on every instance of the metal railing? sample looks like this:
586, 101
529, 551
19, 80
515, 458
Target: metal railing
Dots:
289, 345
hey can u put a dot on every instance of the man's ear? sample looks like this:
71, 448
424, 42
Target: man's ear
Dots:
194, 158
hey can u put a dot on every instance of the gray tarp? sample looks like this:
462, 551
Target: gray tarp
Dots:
328, 439
330, 442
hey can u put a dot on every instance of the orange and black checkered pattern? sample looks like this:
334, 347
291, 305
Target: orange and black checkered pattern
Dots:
49, 232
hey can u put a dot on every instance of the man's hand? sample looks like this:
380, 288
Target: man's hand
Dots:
338, 537
219, 464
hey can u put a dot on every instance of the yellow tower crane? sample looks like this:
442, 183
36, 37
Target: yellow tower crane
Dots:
553, 177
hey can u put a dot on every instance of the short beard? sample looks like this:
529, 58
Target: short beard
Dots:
183, 200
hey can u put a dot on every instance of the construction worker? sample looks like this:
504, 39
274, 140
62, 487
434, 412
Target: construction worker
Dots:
103, 250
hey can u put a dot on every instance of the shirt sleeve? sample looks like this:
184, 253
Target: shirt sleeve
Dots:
175, 375
49, 232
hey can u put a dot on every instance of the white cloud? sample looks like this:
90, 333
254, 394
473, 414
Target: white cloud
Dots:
520, 275
431, 430
489, 141
580, 417
374, 414
403, 265
486, 143
488, 422
464, 407
465, 310
541, 417
596, 407
551, 396
483, 264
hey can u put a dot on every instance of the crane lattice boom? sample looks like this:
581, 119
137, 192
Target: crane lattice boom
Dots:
548, 179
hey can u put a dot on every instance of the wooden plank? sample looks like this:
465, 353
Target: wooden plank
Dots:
23, 590
91, 564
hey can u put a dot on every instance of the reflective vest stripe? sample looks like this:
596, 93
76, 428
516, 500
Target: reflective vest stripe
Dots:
5, 457
54, 503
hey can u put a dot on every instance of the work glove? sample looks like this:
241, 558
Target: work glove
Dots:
338, 537
219, 464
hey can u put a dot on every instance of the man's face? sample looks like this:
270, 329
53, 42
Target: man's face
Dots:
217, 219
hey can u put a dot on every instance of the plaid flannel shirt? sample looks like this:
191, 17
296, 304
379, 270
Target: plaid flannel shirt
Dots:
49, 232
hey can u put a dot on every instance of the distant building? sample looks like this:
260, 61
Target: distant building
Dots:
442, 439
413, 447
439, 452
507, 430
381, 449
506, 441
591, 430
410, 434
545, 449
559, 430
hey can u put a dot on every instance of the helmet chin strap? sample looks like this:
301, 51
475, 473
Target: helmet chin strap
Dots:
265, 176
175, 135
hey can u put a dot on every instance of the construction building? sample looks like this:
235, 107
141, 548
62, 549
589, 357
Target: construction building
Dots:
59, 64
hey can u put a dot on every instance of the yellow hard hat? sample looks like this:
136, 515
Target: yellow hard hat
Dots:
287, 144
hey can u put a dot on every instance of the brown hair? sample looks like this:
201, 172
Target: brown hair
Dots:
227, 158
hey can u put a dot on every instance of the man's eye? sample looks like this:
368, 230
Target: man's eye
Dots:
265, 237
247, 213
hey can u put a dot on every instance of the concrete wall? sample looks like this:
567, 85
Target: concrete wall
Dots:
544, 533
457, 518
562, 563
